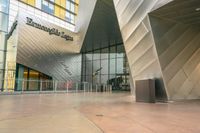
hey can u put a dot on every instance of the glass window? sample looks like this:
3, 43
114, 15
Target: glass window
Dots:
113, 52
1, 60
59, 9
25, 79
104, 53
96, 65
68, 17
33, 80
45, 3
38, 3
4, 6
96, 71
104, 79
2, 40
3, 22
89, 56
68, 5
120, 51
120, 65
104, 65
89, 78
72, 7
72, 18
111, 76
47, 7
89, 68
51, 6
112, 66
83, 68
96, 55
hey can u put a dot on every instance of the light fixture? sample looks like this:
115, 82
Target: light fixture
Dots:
197, 9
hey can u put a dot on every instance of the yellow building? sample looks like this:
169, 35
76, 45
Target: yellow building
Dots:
63, 9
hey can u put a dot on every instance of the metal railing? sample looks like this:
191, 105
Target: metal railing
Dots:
41, 86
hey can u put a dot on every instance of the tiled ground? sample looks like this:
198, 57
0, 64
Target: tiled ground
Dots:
95, 113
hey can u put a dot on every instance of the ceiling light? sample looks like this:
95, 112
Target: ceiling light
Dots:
197, 9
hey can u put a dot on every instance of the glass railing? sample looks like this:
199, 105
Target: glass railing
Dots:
9, 86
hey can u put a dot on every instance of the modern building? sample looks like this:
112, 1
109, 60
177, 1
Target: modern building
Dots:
76, 44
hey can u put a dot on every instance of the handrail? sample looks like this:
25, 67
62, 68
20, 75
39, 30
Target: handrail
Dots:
11, 85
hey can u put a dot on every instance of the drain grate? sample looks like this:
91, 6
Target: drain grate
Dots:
99, 115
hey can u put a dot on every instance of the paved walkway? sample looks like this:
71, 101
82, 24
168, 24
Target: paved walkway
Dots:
95, 113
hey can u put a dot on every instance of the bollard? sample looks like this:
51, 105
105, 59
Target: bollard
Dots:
40, 85
91, 88
88, 88
84, 86
7, 85
96, 87
22, 87
67, 87
76, 87
55, 85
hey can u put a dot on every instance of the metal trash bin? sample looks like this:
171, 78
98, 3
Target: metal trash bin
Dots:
145, 91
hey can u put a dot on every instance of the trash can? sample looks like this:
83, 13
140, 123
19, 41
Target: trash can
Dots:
145, 90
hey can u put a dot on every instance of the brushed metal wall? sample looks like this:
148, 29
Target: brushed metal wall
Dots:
178, 47
46, 53
53, 55
162, 41
138, 40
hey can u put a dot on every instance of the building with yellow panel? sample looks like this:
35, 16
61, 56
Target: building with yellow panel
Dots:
64, 9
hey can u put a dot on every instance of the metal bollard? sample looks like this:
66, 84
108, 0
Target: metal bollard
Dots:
40, 85
23, 86
67, 87
55, 86
88, 87
84, 86
76, 87
7, 85
96, 87
91, 88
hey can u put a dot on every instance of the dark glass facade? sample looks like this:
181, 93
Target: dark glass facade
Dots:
106, 66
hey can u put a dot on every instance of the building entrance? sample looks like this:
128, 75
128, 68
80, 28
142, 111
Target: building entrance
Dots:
106, 66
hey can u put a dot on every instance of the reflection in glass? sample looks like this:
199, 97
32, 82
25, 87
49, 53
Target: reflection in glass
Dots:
89, 68
33, 81
120, 65
104, 64
104, 78
3, 22
112, 66
4, 6
105, 53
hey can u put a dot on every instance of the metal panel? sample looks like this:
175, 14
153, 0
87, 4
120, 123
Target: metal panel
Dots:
103, 29
46, 53
175, 46
138, 40
184, 11
179, 57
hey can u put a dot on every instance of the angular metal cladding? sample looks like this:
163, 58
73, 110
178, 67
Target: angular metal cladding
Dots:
139, 43
161, 38
54, 54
